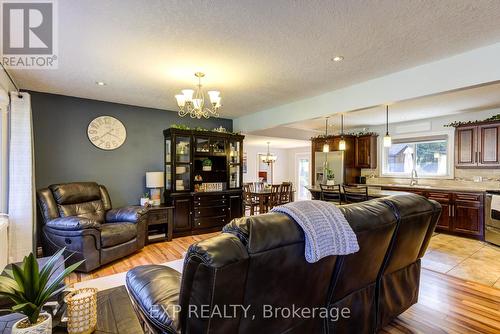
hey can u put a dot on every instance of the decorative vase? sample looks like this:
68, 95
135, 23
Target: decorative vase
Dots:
330, 182
207, 168
82, 311
144, 201
44, 327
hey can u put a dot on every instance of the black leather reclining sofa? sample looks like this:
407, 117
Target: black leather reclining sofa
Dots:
258, 262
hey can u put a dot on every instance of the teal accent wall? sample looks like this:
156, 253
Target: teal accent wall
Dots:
63, 152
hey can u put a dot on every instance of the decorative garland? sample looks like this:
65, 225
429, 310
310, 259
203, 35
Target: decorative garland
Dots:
355, 134
199, 128
460, 123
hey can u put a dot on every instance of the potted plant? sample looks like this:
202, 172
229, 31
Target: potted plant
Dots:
145, 199
30, 288
330, 176
207, 165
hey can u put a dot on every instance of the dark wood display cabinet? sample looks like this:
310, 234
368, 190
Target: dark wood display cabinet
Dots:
203, 179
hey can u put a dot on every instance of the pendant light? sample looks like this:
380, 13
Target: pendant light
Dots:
326, 147
342, 141
387, 137
268, 158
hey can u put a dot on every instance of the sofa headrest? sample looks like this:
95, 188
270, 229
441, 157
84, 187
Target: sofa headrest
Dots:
77, 192
266, 231
407, 205
368, 215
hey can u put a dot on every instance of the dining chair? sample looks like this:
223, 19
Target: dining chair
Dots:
331, 193
249, 200
250, 185
285, 193
258, 186
274, 198
355, 194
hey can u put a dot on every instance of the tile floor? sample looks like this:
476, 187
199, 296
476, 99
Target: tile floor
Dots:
468, 259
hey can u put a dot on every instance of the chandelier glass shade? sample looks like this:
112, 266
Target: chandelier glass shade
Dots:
342, 141
387, 137
268, 158
192, 101
326, 147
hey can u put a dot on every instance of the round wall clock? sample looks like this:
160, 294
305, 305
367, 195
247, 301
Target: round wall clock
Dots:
106, 133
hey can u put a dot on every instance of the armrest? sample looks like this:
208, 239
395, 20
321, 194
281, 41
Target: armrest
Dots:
131, 214
73, 223
155, 290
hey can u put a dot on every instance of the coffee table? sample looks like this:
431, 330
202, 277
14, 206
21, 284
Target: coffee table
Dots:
115, 314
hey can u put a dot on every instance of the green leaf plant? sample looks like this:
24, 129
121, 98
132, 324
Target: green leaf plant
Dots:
29, 288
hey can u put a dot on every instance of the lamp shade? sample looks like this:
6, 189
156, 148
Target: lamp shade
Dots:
154, 179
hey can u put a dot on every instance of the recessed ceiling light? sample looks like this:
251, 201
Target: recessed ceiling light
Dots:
338, 58
100, 83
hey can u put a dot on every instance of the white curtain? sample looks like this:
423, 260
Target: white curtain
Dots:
21, 178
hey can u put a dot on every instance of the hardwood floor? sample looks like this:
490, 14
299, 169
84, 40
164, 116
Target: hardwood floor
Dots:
446, 304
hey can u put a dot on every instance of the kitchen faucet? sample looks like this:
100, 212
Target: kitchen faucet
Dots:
414, 177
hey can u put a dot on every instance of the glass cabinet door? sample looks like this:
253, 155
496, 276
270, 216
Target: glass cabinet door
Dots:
234, 152
182, 177
183, 149
168, 177
202, 145
234, 176
168, 164
218, 146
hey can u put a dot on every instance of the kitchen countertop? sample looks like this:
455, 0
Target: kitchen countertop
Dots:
428, 187
373, 193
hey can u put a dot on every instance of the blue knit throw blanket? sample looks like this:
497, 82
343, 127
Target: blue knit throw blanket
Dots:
326, 230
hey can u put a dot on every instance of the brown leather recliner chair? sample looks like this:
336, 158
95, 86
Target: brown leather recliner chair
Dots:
259, 261
79, 216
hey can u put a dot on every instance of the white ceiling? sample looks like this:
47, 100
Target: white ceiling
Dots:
259, 53
275, 142
463, 101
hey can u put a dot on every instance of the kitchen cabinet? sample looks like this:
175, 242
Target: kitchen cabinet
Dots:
468, 212
489, 145
444, 222
462, 213
353, 162
366, 151
478, 146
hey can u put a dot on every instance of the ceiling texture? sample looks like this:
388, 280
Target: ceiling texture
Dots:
259, 54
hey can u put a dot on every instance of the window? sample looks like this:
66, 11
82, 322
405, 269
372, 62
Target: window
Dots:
428, 155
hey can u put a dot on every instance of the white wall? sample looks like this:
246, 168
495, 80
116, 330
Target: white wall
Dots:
283, 170
280, 168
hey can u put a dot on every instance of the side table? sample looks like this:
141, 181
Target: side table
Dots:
160, 221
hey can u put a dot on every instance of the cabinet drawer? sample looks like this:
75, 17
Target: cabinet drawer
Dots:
210, 211
155, 218
439, 197
207, 222
210, 201
468, 197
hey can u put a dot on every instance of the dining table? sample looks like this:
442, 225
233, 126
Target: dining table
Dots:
263, 197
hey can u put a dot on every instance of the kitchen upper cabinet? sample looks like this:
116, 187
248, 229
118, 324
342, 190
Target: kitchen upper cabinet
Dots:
466, 146
489, 145
478, 146
366, 151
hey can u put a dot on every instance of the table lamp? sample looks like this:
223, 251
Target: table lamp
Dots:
154, 181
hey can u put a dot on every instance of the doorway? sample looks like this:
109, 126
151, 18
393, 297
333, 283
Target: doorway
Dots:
302, 175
